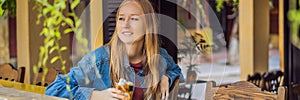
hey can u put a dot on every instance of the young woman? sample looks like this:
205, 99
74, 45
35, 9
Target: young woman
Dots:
132, 54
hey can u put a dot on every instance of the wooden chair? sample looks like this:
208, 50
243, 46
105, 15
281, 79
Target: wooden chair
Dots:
8, 72
185, 93
255, 79
296, 92
271, 81
21, 72
210, 90
241, 90
49, 78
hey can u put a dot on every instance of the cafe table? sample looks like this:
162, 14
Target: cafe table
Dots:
19, 91
241, 90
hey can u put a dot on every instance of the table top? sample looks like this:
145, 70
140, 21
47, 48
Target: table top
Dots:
13, 94
244, 90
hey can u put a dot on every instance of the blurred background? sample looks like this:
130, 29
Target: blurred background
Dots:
211, 40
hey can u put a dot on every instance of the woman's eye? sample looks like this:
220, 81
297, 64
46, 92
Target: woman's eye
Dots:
135, 19
121, 18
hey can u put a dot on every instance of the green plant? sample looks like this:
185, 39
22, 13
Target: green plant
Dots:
8, 7
294, 18
54, 19
220, 3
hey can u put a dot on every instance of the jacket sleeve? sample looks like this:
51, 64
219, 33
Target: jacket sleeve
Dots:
80, 85
173, 71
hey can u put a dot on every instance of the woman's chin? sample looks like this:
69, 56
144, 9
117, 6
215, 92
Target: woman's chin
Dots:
131, 41
127, 41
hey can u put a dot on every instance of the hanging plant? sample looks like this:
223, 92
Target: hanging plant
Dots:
8, 7
220, 3
54, 19
294, 18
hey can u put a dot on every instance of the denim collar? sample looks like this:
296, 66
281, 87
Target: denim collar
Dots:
126, 63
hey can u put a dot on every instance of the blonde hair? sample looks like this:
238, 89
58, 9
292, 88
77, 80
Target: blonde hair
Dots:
150, 49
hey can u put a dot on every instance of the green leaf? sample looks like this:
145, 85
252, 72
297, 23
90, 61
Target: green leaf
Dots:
35, 71
52, 49
63, 62
45, 70
59, 20
297, 19
1, 11
49, 21
44, 31
69, 21
63, 5
85, 42
74, 3
63, 68
42, 51
43, 78
46, 10
63, 24
68, 30
51, 42
45, 60
46, 40
292, 15
52, 32
63, 48
68, 79
72, 14
39, 16
58, 35
54, 59
79, 31
68, 88
39, 64
78, 23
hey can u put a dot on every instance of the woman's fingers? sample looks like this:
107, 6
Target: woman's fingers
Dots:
118, 96
164, 87
167, 94
117, 93
163, 95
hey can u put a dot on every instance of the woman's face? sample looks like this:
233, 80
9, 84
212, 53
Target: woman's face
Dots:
130, 23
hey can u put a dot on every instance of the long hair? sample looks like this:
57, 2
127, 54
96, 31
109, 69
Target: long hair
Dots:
150, 50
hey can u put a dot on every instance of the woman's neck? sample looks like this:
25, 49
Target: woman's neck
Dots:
135, 52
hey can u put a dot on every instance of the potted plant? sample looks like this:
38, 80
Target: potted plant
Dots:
55, 15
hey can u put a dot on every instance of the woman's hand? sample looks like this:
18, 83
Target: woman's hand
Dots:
164, 87
108, 94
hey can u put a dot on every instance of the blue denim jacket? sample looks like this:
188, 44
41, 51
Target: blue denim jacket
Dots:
92, 72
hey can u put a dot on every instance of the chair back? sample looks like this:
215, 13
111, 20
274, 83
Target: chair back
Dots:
296, 92
21, 76
8, 72
49, 77
255, 79
210, 90
271, 81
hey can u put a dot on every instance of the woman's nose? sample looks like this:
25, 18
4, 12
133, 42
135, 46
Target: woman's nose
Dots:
126, 24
